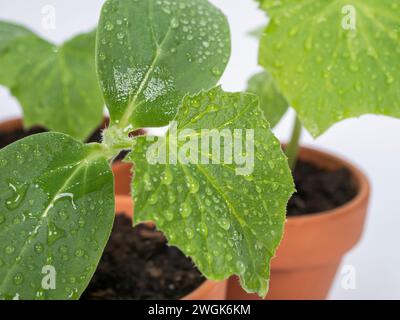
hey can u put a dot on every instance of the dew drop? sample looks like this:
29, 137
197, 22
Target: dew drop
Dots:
81, 223
189, 233
147, 182
174, 23
153, 199
171, 198
193, 185
168, 177
9, 250
16, 199
109, 26
18, 278
241, 267
159, 220
185, 210
38, 247
79, 252
66, 195
166, 10
54, 233
169, 215
224, 223
203, 229
216, 71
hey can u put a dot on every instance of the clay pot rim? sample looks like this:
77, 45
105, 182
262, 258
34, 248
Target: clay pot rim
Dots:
11, 123
360, 178
202, 290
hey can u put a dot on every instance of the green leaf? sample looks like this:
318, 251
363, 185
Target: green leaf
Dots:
57, 210
257, 33
151, 53
19, 48
227, 222
61, 91
329, 72
272, 103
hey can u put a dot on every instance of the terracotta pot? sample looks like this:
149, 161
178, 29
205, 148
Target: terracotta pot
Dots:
313, 245
11, 125
209, 290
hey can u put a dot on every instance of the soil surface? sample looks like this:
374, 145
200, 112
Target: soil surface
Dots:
7, 138
137, 264
320, 190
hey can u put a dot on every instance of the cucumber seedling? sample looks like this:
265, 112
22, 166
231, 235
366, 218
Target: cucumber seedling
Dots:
157, 61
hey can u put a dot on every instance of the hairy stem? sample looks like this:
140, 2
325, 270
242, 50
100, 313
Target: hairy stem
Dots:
292, 149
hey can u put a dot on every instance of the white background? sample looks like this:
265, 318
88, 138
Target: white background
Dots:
371, 142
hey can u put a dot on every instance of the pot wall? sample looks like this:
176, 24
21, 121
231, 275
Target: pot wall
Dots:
313, 245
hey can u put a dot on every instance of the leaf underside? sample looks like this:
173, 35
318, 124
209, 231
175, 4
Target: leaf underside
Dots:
57, 87
227, 223
151, 53
57, 210
272, 103
329, 72
14, 41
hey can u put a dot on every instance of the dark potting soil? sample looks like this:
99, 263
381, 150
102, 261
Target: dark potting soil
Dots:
319, 190
7, 138
137, 264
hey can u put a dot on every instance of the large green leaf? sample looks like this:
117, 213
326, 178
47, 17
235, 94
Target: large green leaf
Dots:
329, 72
228, 223
56, 86
56, 209
150, 53
19, 48
272, 103
61, 92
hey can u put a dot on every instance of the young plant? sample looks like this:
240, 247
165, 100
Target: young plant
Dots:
157, 61
333, 60
56, 86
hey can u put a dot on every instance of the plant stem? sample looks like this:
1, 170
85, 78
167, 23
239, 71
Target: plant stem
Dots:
292, 149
